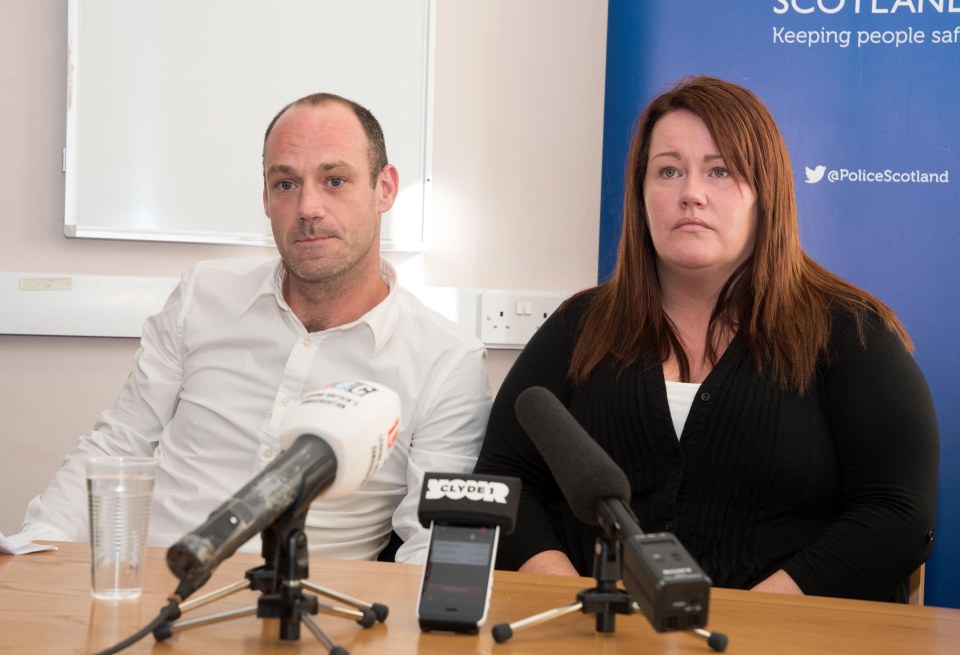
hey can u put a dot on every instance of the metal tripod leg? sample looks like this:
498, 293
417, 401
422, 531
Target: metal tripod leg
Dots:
212, 618
165, 630
605, 600
379, 610
223, 592
503, 631
360, 612
715, 640
322, 637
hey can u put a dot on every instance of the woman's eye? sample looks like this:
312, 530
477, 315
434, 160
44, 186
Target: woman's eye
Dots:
721, 172
669, 173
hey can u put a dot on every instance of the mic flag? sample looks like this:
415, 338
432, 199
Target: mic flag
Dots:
360, 420
470, 499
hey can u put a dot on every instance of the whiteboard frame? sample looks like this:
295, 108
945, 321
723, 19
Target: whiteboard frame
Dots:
74, 228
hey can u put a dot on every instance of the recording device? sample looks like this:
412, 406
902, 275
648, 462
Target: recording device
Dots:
665, 582
465, 514
334, 440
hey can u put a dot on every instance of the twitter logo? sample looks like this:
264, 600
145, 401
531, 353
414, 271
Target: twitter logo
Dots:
814, 175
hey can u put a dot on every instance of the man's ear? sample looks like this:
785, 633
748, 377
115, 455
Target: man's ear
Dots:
389, 180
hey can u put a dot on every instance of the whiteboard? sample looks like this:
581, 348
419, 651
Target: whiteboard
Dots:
168, 100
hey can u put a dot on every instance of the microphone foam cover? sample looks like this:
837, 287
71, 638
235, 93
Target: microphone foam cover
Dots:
583, 470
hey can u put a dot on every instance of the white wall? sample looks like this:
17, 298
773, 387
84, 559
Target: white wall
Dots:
516, 161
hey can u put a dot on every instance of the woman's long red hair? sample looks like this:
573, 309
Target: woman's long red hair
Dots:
779, 300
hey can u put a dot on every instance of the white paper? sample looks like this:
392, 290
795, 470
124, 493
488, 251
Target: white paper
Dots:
21, 544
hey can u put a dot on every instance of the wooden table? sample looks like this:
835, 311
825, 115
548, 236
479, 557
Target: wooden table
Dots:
45, 607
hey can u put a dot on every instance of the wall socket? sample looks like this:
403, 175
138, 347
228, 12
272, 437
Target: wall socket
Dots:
509, 318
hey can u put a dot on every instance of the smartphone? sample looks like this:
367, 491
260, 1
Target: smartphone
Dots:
458, 575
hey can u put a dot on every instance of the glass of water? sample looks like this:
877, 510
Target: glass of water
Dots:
119, 492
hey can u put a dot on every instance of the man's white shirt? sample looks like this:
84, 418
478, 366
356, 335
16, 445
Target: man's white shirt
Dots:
219, 367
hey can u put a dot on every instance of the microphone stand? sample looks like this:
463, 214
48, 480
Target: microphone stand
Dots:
606, 600
281, 581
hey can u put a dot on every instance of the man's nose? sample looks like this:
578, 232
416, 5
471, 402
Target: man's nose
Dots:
312, 202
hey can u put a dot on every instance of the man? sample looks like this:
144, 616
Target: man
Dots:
240, 340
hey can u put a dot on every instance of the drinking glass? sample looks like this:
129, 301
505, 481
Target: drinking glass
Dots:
119, 491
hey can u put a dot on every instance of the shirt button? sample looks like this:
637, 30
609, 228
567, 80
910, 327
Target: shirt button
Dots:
307, 341
285, 401
668, 525
268, 454
705, 397
930, 536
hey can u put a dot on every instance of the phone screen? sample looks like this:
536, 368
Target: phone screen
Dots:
454, 592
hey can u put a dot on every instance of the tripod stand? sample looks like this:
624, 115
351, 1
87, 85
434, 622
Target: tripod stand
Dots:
281, 581
606, 600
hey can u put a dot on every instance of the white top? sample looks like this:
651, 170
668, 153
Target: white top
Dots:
680, 397
219, 367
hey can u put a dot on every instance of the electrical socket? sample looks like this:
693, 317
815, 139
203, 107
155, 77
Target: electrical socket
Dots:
509, 318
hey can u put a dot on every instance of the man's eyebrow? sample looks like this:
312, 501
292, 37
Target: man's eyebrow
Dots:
286, 169
280, 168
334, 165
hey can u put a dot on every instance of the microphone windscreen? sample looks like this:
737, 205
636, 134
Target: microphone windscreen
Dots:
583, 470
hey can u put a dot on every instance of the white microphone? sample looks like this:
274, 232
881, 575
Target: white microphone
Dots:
334, 441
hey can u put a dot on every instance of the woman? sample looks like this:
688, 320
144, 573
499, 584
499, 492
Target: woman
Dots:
764, 410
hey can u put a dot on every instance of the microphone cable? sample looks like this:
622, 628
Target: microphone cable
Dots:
170, 612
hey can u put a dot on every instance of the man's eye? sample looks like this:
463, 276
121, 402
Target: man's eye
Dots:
337, 182
285, 185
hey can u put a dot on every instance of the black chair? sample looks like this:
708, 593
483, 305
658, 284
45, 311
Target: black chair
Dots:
389, 552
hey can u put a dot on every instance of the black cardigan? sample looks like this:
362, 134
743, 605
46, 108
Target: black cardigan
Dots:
837, 487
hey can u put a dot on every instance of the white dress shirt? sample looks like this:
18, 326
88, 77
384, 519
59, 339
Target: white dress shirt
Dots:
219, 367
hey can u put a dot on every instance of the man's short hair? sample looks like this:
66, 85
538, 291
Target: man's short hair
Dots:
371, 127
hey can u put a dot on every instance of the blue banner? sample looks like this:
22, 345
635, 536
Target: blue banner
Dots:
867, 95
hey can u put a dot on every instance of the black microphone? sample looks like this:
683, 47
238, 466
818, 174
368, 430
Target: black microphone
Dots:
335, 439
661, 577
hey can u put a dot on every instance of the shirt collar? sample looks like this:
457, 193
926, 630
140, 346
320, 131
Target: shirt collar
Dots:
381, 320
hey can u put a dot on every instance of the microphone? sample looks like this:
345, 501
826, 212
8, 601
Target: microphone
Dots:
664, 581
334, 440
